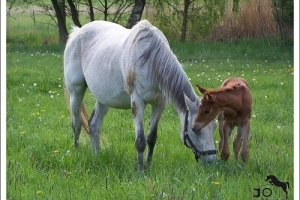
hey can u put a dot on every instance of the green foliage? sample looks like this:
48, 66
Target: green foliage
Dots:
235, 7
42, 163
201, 21
284, 11
202, 17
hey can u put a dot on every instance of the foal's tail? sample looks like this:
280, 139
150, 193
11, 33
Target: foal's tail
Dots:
84, 115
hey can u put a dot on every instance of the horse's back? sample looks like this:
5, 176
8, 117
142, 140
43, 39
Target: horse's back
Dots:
241, 89
234, 81
116, 61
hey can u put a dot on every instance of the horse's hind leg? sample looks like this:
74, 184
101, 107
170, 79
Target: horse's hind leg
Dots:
243, 131
156, 113
237, 143
76, 98
95, 124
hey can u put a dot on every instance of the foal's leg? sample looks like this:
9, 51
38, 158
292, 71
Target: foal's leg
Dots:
237, 143
76, 98
95, 123
137, 107
156, 113
244, 132
221, 121
227, 129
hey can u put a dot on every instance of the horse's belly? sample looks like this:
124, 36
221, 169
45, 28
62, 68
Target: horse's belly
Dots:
118, 100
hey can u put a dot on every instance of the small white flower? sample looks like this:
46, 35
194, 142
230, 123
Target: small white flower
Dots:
278, 127
34, 84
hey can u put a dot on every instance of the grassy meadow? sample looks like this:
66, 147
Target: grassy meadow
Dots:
43, 164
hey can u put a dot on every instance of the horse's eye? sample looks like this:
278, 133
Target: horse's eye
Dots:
206, 111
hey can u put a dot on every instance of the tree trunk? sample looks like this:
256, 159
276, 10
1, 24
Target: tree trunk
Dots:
63, 33
74, 13
91, 10
136, 13
105, 11
184, 20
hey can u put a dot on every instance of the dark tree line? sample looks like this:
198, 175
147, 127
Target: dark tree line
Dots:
60, 8
201, 15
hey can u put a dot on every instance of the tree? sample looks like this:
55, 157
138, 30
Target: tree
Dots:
186, 6
61, 19
136, 13
195, 17
74, 13
283, 11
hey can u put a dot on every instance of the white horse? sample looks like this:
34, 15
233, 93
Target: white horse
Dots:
127, 69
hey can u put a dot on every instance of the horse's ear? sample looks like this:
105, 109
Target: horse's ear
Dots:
202, 90
211, 98
189, 104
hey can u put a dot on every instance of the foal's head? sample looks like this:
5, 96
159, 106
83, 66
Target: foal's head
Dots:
208, 109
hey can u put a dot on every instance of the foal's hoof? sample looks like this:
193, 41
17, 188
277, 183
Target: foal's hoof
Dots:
245, 157
245, 160
224, 156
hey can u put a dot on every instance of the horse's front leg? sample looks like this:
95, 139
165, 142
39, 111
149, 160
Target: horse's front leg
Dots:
95, 124
227, 129
156, 113
137, 107
221, 121
244, 131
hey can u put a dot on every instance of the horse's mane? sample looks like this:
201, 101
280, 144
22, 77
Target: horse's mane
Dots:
154, 49
226, 88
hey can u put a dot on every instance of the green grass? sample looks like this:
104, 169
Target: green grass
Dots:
42, 163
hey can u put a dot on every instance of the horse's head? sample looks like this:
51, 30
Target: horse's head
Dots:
271, 178
208, 109
201, 142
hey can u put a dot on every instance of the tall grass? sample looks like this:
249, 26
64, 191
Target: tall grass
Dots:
254, 19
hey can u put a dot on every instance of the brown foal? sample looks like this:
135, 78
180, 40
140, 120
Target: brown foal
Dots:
232, 102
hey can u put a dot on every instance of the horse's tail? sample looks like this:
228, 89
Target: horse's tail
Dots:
287, 183
84, 115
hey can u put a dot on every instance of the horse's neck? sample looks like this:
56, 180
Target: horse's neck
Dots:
227, 100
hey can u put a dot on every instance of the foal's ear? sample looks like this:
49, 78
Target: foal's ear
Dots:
202, 90
210, 97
